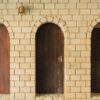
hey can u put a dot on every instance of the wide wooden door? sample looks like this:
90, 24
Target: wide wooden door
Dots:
95, 61
49, 59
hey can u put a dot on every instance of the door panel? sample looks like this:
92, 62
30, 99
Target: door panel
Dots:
49, 59
4, 60
95, 60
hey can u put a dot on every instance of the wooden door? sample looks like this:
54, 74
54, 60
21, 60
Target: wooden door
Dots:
4, 60
49, 59
95, 60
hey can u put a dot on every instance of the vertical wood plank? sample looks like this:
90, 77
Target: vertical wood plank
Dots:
49, 70
4, 60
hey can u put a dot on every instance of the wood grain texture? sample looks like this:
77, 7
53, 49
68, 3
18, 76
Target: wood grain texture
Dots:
49, 68
4, 60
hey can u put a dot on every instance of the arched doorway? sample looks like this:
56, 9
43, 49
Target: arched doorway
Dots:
4, 60
95, 59
49, 59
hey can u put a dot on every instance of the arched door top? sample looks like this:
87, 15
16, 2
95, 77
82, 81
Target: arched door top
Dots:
47, 24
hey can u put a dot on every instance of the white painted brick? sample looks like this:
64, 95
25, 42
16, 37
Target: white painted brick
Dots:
14, 89
26, 29
86, 1
62, 1
80, 95
21, 59
12, 1
92, 5
27, 35
13, 12
30, 83
14, 65
34, 1
24, 53
14, 78
19, 71
14, 23
75, 77
38, 6
75, 41
2, 6
29, 59
70, 71
19, 35
25, 77
14, 54
81, 71
25, 1
45, 12
60, 6
11, 71
75, 89
82, 23
25, 89
74, 11
19, 96
30, 96
85, 11
14, 41
19, 83
25, 41
19, 47
29, 71
45, 1
70, 95
4, 12
11, 6
25, 65
74, 1
70, 83
16, 29
49, 6
68, 17
4, 1
95, 11
24, 23
82, 5
63, 12
27, 18
18, 18
35, 12
9, 17
78, 17
80, 83
71, 5
54, 1
71, 23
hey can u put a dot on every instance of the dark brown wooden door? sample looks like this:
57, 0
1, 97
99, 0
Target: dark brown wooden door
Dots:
49, 59
4, 60
95, 60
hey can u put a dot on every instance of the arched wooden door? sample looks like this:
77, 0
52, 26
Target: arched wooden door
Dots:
4, 60
95, 60
49, 59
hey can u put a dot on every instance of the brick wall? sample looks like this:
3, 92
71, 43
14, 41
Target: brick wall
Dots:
76, 19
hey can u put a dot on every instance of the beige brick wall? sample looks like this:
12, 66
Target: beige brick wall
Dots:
76, 19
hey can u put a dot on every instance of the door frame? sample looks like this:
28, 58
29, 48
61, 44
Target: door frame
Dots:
62, 24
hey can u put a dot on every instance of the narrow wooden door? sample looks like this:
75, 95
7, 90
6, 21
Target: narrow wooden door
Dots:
95, 61
4, 60
49, 59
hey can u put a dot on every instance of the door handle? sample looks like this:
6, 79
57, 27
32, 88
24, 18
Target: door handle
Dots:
60, 59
